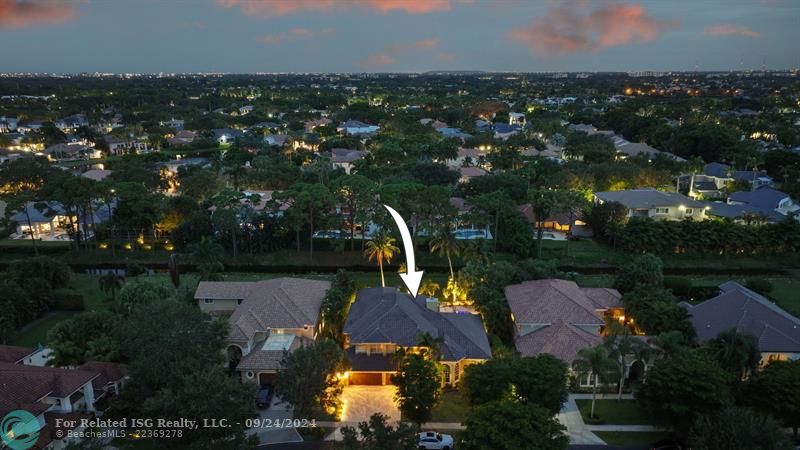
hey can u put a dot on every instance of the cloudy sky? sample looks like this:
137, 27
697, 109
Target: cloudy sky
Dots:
397, 35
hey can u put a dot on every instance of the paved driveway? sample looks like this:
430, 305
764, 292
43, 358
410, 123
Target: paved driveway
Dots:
360, 402
278, 411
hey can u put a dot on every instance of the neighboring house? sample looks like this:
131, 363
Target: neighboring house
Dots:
742, 213
515, 118
355, 127
96, 174
382, 320
558, 220
311, 124
8, 124
50, 393
465, 157
226, 135
721, 174
267, 318
344, 158
173, 123
68, 152
50, 220
627, 149
504, 131
658, 205
182, 137
123, 146
468, 173
558, 317
450, 132
276, 139
777, 331
767, 199
71, 123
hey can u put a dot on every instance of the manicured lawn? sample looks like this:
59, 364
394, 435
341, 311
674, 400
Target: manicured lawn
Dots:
36, 333
613, 412
452, 408
632, 440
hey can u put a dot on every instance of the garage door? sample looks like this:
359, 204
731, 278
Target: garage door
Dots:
370, 378
266, 378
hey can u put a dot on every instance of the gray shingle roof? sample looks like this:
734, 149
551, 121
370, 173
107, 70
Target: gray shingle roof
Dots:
764, 197
741, 308
384, 315
647, 198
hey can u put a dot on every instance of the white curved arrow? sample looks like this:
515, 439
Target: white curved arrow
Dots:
413, 277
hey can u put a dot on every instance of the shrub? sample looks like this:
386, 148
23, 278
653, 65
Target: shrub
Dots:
680, 286
760, 285
55, 272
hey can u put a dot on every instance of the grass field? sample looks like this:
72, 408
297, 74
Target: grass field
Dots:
613, 412
631, 440
35, 333
452, 408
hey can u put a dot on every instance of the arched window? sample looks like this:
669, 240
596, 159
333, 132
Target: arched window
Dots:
446, 373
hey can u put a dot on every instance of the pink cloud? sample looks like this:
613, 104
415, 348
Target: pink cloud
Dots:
727, 29
292, 35
446, 57
21, 14
390, 52
582, 26
275, 8
427, 44
377, 60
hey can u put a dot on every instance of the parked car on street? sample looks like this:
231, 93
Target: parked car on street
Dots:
431, 440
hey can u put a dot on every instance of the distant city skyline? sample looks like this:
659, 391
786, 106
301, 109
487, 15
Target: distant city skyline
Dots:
247, 36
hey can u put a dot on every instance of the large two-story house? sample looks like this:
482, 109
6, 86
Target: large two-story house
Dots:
383, 320
776, 331
266, 318
558, 317
655, 204
51, 393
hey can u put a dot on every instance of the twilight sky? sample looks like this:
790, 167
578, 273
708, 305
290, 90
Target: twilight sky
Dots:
396, 35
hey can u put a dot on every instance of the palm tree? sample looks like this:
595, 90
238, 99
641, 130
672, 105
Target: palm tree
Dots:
446, 244
597, 362
207, 255
668, 344
737, 352
620, 343
429, 288
110, 283
433, 344
381, 248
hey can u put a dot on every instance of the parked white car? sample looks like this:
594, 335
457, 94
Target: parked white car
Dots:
431, 440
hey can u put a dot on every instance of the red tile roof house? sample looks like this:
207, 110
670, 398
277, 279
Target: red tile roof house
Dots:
265, 317
51, 393
558, 317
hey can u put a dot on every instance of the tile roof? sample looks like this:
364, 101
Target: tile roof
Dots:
22, 385
553, 300
260, 359
268, 304
471, 172
13, 354
384, 315
560, 339
341, 155
647, 198
717, 170
739, 307
109, 372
